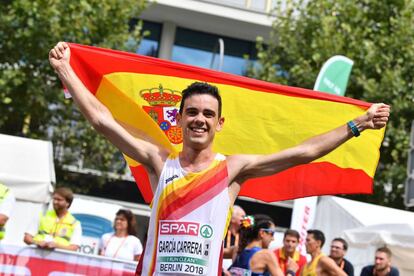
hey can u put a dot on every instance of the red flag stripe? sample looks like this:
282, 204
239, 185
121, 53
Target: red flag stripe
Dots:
323, 174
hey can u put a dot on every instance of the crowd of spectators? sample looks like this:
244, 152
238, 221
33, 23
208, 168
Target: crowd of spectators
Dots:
245, 247
253, 256
58, 228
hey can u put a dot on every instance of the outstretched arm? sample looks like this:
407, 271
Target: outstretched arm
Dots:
28, 239
99, 116
53, 245
243, 167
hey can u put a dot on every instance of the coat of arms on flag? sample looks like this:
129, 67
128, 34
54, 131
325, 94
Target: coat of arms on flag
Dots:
163, 110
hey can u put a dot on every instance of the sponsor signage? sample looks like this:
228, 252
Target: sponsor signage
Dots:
17, 260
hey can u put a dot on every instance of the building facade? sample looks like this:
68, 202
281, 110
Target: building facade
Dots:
213, 34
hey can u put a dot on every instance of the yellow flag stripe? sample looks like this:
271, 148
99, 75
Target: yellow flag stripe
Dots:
285, 121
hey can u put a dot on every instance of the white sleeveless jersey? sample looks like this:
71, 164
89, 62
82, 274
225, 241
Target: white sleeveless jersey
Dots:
190, 212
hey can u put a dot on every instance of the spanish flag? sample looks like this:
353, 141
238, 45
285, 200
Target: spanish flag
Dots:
144, 93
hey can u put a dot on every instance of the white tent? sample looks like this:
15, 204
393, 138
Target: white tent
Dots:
335, 215
398, 237
26, 167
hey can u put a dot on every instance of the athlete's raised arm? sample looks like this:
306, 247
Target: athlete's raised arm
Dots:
243, 167
149, 154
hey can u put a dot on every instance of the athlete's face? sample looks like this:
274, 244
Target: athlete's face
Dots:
267, 235
311, 244
200, 120
290, 243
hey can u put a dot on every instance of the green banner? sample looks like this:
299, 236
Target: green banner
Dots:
334, 75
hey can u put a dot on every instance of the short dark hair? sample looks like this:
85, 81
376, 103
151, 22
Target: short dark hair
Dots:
130, 220
317, 235
293, 233
385, 250
199, 88
344, 243
66, 193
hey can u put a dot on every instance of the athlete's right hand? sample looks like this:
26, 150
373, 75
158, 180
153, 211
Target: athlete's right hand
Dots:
59, 55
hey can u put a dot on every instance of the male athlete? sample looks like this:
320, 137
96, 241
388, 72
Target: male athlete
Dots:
193, 190
320, 265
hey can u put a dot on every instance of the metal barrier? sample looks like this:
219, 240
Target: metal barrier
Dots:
27, 260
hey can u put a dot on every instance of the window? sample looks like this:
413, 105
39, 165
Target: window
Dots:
259, 5
150, 42
202, 49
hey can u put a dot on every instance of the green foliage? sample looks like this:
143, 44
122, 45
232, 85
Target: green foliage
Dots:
379, 37
32, 103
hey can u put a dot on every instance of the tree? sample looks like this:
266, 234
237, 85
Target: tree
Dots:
32, 103
379, 37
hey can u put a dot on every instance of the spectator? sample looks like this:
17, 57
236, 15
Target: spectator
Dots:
382, 266
288, 253
7, 201
339, 247
319, 264
122, 243
253, 257
231, 240
57, 228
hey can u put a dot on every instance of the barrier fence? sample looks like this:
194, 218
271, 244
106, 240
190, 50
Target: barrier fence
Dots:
26, 260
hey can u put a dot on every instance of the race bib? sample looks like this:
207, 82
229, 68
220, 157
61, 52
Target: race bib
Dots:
183, 247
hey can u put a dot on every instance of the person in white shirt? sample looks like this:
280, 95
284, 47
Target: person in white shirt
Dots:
123, 243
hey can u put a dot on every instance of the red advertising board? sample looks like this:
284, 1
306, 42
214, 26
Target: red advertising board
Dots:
15, 260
